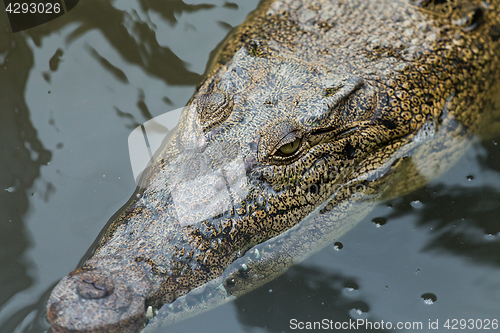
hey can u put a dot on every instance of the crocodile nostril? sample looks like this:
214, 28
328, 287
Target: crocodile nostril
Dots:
93, 285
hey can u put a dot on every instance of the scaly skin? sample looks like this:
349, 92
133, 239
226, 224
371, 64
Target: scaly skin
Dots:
312, 109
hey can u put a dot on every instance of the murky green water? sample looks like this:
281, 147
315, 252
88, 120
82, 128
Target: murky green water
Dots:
72, 90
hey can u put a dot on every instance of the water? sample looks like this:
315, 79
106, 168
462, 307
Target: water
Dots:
72, 90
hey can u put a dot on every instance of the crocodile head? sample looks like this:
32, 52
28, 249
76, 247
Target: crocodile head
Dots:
264, 142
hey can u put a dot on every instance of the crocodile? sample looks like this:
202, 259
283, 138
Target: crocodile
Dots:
311, 112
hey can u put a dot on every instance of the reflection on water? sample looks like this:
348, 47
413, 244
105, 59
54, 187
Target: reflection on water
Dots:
339, 295
22, 155
71, 90
463, 212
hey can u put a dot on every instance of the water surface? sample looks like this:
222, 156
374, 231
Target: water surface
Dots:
72, 90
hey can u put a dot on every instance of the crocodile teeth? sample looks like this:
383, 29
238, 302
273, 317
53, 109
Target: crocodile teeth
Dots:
149, 313
222, 289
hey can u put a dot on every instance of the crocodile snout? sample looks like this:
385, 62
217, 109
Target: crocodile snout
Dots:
95, 302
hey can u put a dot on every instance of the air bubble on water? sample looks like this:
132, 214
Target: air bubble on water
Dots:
429, 298
416, 204
379, 221
14, 187
351, 286
359, 312
270, 291
337, 246
489, 237
350, 289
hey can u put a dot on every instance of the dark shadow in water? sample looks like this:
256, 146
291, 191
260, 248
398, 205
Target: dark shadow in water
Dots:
137, 43
298, 289
21, 156
37, 316
175, 7
461, 217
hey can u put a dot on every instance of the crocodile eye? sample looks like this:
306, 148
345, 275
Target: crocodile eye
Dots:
290, 148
